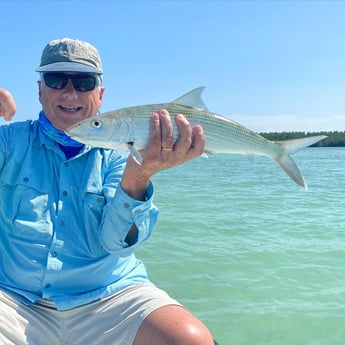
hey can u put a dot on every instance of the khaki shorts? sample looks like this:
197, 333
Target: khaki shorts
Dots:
114, 320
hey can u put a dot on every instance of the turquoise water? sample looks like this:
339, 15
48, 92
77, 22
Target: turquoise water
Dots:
257, 258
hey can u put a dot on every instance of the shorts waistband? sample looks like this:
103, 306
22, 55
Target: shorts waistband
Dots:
47, 303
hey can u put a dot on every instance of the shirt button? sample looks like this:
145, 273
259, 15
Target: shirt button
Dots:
54, 254
25, 179
125, 205
62, 223
66, 164
64, 193
48, 286
99, 199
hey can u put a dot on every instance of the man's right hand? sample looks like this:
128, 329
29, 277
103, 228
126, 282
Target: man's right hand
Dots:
7, 105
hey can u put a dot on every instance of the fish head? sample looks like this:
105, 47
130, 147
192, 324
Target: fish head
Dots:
101, 131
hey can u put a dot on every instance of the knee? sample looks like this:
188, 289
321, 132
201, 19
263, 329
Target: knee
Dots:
173, 325
188, 330
196, 334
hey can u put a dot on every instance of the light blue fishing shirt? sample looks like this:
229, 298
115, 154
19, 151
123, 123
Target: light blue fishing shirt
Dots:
63, 223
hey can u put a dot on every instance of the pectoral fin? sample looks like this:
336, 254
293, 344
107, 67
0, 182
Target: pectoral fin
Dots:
135, 154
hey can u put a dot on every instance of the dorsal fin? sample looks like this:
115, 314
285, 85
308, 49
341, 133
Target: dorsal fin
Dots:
192, 99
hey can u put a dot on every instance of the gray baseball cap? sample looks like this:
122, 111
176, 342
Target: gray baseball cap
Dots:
70, 55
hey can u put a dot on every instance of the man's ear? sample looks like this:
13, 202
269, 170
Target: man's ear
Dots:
101, 92
39, 90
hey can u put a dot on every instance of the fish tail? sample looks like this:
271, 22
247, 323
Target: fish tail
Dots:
290, 167
287, 163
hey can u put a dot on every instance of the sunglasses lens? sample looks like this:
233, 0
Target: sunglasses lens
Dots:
84, 84
55, 81
81, 83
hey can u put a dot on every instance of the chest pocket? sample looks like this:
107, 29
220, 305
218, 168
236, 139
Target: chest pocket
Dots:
93, 194
25, 202
93, 203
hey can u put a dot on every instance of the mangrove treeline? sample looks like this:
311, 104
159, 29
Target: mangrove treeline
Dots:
334, 139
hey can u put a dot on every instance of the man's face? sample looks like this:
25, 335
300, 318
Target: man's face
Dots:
66, 106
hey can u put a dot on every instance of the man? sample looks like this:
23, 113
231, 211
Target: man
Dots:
71, 217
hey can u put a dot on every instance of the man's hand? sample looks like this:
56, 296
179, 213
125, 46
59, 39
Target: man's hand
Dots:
163, 151
7, 105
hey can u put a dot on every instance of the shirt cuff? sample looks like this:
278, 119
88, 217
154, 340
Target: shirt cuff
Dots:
122, 213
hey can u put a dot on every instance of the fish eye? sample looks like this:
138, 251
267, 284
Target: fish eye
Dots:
96, 123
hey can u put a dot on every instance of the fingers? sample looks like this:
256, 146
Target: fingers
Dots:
8, 116
191, 141
7, 105
163, 151
173, 151
6, 112
155, 141
167, 131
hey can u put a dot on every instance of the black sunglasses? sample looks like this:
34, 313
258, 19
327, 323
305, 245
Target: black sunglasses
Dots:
81, 82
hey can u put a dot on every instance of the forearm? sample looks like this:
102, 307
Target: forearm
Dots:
127, 222
135, 180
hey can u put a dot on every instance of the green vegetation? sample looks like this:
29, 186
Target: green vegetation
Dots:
334, 139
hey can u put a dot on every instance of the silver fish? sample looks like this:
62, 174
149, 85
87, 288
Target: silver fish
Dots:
128, 129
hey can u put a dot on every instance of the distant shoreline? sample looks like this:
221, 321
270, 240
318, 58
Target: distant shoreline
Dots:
334, 138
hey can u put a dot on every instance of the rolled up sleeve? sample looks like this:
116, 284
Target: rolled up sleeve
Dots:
120, 215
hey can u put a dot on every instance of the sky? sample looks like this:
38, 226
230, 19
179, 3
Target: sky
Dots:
269, 65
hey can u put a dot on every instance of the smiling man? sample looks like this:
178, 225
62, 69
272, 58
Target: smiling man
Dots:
72, 216
76, 103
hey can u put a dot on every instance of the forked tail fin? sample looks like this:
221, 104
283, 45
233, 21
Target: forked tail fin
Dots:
287, 163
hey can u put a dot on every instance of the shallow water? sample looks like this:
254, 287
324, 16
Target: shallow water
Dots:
257, 258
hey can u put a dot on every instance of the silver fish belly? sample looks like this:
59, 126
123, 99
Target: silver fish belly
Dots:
128, 129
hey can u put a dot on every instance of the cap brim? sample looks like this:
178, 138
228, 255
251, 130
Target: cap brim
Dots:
67, 67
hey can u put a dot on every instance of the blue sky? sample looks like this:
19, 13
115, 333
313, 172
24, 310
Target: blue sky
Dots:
270, 65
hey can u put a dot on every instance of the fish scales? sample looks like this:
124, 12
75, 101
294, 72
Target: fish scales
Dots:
222, 134
128, 129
